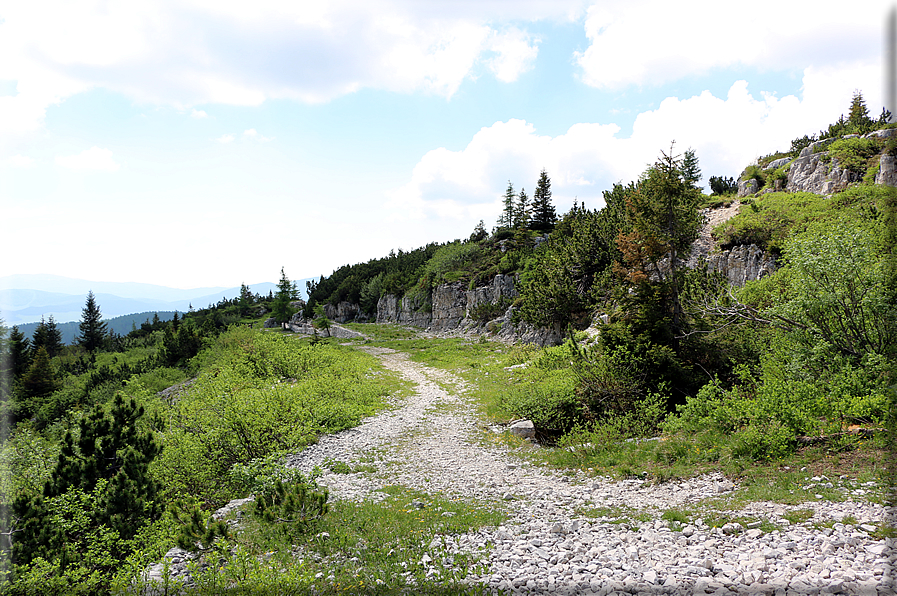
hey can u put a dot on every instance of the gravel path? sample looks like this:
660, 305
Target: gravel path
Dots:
434, 442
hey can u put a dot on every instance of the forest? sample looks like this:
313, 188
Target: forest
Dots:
119, 446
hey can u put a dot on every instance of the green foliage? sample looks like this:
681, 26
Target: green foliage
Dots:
755, 172
836, 291
39, 381
450, 262
506, 219
92, 328
853, 154
544, 216
261, 394
770, 219
286, 292
720, 185
295, 507
560, 280
47, 335
197, 530
547, 398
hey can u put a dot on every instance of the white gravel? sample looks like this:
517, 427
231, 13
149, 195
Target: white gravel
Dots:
434, 442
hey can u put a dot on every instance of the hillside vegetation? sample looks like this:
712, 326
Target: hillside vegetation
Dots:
120, 446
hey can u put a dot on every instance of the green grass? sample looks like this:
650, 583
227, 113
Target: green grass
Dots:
361, 548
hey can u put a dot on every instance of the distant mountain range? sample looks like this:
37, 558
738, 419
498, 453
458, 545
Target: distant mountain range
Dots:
27, 298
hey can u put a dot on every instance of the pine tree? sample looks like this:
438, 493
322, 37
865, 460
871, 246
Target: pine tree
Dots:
859, 120
48, 336
19, 348
521, 211
110, 454
286, 292
662, 213
544, 216
506, 220
691, 171
92, 328
39, 380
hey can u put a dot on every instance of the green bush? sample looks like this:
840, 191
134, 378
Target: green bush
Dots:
263, 393
852, 154
547, 398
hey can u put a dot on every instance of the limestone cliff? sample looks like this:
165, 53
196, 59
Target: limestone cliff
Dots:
813, 170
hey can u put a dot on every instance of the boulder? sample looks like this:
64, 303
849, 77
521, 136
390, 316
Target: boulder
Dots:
270, 323
747, 187
523, 429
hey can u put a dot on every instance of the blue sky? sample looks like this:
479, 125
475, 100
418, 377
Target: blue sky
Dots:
209, 143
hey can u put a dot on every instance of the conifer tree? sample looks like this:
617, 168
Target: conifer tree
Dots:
544, 216
286, 292
521, 211
110, 449
859, 120
506, 220
19, 349
663, 218
92, 328
48, 336
40, 379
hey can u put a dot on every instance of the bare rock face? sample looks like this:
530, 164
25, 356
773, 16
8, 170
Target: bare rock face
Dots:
809, 173
404, 311
742, 264
747, 187
342, 312
887, 170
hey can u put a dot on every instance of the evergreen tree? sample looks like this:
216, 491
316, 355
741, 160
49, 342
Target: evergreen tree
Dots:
663, 219
859, 121
39, 380
92, 328
544, 216
691, 171
110, 455
506, 220
48, 336
19, 350
521, 211
245, 300
286, 293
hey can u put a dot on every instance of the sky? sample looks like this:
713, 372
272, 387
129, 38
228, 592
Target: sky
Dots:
198, 143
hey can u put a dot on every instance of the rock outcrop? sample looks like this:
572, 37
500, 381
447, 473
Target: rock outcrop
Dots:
344, 312
810, 173
742, 264
814, 171
454, 308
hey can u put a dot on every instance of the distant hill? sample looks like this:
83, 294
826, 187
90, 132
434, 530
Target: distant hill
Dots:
121, 325
27, 298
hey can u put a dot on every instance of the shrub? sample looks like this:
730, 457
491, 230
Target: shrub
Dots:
852, 154
755, 172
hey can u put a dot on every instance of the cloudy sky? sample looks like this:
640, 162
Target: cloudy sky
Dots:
211, 142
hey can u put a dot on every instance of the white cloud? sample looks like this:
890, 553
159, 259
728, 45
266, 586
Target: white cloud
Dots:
206, 51
650, 42
225, 139
254, 135
20, 162
515, 54
95, 159
727, 134
198, 114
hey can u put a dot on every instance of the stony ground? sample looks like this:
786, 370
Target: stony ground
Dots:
434, 442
